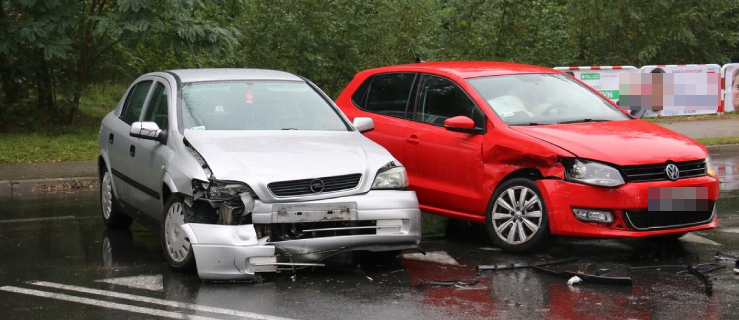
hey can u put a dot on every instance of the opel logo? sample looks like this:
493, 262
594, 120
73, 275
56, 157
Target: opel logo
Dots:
672, 172
316, 186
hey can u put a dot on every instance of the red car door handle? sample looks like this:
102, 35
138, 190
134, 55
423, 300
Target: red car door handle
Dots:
413, 139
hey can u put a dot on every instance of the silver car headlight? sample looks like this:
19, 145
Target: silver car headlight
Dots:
391, 178
592, 173
220, 190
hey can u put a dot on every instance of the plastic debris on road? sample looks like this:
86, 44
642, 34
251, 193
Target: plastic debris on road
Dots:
574, 280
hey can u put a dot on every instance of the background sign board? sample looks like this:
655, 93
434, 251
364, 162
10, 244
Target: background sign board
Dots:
730, 74
713, 88
601, 78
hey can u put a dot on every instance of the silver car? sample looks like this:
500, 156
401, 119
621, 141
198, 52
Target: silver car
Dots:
245, 171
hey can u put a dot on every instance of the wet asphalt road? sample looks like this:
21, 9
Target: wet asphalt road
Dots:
58, 261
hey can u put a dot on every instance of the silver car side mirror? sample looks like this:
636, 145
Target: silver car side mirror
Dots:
363, 124
148, 130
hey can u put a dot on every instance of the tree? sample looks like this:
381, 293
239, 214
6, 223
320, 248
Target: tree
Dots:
69, 39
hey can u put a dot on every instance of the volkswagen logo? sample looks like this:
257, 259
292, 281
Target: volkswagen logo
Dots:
672, 172
317, 186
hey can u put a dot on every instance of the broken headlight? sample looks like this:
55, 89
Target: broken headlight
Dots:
220, 190
391, 176
592, 173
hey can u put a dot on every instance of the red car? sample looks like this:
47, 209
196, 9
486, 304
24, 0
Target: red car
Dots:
533, 153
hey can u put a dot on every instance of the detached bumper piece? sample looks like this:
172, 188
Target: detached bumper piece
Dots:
698, 270
227, 252
587, 278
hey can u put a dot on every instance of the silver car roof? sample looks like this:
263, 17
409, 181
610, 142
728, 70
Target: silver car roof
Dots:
231, 74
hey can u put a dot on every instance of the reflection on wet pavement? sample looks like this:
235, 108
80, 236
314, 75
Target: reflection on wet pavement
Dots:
61, 240
728, 172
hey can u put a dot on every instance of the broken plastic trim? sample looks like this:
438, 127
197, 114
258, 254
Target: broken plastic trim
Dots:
698, 270
526, 264
724, 257
587, 278
454, 282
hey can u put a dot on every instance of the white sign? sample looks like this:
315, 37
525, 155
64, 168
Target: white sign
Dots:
604, 79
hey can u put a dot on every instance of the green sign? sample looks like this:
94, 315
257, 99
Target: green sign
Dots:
610, 94
590, 76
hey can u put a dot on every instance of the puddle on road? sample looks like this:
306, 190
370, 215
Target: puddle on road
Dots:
81, 251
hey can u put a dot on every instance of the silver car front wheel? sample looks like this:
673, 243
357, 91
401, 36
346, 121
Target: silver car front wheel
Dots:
517, 217
175, 244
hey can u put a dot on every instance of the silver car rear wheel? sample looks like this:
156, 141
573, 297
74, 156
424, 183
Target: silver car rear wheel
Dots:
113, 218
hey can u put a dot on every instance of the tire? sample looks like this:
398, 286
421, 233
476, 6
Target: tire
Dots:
519, 231
113, 218
176, 247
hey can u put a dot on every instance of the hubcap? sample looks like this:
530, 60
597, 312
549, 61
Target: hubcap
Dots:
177, 244
517, 215
107, 196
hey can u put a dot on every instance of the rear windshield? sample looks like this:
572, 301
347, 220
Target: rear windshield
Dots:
257, 105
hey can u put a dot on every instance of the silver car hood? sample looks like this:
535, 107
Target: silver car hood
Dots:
260, 157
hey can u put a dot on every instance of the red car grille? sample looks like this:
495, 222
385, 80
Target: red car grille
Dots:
656, 172
651, 220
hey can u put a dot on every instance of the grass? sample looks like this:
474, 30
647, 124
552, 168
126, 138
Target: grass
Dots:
63, 143
80, 142
726, 115
718, 141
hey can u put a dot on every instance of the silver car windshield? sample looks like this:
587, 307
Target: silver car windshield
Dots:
539, 99
257, 105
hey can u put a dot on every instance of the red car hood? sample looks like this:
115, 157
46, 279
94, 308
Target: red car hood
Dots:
627, 142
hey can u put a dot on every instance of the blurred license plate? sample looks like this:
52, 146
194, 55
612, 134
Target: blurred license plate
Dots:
679, 199
297, 213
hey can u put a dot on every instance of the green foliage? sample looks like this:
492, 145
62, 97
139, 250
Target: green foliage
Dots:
54, 49
51, 51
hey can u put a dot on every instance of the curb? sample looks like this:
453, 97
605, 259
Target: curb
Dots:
10, 189
723, 149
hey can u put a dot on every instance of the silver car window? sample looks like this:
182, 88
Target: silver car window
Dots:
156, 111
257, 105
135, 102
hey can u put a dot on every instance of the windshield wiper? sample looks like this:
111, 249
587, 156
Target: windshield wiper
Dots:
530, 124
581, 120
288, 129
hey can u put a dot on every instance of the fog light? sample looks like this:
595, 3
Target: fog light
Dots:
599, 216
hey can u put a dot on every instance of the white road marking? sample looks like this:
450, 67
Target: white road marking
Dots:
153, 283
103, 304
435, 256
175, 304
39, 219
692, 237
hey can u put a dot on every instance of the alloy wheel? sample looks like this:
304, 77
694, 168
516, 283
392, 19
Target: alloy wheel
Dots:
517, 215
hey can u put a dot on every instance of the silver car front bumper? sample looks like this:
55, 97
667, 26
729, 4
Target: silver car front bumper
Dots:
226, 252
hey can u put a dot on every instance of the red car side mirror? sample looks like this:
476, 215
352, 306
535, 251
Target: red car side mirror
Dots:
461, 124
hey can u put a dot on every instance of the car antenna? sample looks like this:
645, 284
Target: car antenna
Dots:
418, 59
193, 53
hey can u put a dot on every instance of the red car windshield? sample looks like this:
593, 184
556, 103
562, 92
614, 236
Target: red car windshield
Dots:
536, 99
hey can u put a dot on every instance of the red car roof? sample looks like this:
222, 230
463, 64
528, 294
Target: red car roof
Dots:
466, 69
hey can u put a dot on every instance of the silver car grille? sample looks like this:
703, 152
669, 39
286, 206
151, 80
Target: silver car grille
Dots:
313, 186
